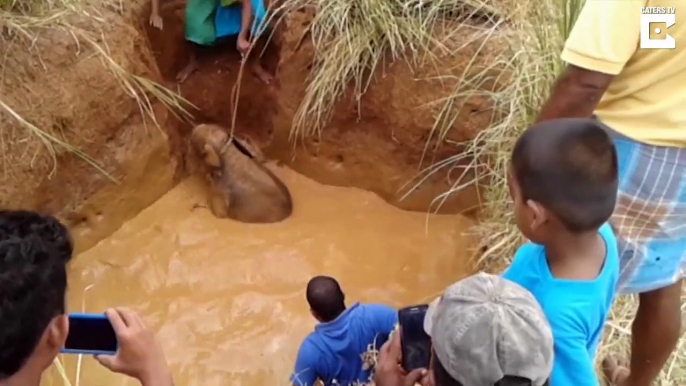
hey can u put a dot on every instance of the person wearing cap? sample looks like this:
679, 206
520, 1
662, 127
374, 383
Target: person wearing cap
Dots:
485, 331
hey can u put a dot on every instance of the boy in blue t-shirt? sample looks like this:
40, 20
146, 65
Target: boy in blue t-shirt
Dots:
563, 180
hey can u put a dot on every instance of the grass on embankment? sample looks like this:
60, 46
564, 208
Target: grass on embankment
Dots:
24, 22
353, 38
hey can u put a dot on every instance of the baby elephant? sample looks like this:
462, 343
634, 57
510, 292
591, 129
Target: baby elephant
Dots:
242, 188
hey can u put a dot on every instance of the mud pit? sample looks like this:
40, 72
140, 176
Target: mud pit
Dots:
227, 299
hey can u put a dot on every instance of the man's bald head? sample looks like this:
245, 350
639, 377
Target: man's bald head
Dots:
325, 297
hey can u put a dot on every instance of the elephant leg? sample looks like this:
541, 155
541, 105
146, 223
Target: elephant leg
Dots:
218, 203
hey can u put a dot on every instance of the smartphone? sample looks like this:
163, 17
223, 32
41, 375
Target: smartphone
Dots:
415, 343
90, 334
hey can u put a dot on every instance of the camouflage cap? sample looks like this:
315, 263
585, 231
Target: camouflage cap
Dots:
485, 328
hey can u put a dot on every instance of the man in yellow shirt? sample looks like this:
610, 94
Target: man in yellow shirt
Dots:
627, 67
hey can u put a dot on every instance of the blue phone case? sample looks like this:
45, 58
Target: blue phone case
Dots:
87, 352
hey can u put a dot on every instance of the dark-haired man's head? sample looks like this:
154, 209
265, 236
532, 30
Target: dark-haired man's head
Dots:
34, 252
563, 178
326, 298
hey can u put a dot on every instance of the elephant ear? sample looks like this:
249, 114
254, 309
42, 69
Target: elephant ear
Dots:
248, 146
211, 157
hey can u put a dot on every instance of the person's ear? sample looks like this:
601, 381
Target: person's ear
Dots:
538, 214
57, 332
314, 314
510, 184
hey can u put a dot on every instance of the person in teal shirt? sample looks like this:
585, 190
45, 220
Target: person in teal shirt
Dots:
563, 181
211, 21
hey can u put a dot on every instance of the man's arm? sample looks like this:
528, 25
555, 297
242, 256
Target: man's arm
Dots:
246, 18
243, 42
604, 38
305, 371
139, 355
383, 320
576, 94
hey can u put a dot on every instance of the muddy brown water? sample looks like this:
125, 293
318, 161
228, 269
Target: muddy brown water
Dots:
227, 299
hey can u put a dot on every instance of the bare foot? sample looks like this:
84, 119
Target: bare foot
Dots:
262, 74
616, 371
187, 71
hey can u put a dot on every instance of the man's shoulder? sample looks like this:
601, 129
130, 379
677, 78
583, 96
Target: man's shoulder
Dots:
375, 312
310, 339
375, 307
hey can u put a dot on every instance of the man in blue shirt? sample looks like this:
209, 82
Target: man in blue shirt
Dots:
563, 181
333, 352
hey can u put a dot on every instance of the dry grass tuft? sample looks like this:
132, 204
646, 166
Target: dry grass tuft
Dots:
30, 30
351, 39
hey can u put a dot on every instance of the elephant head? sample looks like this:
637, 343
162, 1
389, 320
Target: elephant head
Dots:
212, 142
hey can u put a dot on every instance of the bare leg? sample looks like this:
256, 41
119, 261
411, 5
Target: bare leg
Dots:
262, 73
257, 67
655, 333
190, 67
218, 203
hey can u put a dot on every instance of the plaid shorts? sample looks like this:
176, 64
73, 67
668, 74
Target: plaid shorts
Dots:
650, 216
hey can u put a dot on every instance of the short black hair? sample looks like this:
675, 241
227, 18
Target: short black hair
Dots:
34, 252
570, 167
442, 377
325, 297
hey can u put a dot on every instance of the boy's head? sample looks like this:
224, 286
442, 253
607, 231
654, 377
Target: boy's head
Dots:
34, 252
563, 176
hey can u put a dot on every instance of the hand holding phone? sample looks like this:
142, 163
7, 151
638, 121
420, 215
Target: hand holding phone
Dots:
415, 343
139, 355
121, 342
389, 373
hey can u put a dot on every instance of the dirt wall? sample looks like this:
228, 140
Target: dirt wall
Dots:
63, 87
379, 145
377, 148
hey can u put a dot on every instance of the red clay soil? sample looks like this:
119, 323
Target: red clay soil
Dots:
210, 88
377, 148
